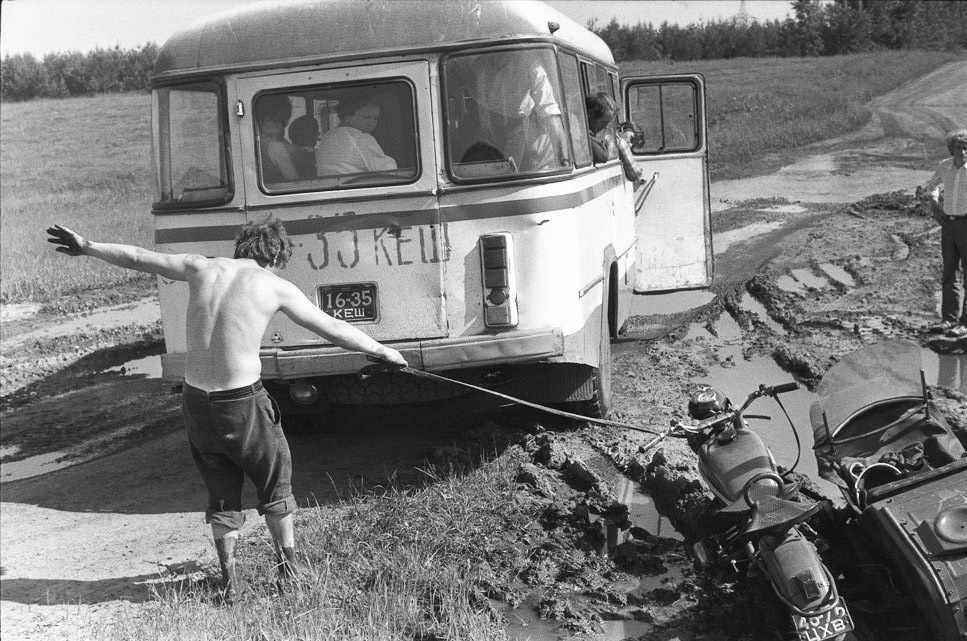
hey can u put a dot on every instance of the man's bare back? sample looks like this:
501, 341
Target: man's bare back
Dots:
231, 301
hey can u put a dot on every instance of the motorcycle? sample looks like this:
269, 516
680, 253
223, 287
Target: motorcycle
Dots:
901, 535
760, 528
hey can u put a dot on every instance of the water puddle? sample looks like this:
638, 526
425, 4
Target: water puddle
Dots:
838, 274
33, 466
642, 512
945, 370
145, 312
723, 240
149, 366
675, 303
750, 304
817, 179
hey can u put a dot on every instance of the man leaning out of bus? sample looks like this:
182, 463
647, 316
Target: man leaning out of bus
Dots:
233, 426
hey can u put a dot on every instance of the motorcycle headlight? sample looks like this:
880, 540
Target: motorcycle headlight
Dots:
706, 402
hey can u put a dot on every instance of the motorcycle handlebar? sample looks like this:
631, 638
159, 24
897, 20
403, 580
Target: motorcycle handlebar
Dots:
730, 415
782, 389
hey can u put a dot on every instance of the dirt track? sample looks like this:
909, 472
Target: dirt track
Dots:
99, 531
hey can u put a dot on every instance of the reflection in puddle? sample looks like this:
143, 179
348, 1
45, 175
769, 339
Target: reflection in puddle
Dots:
945, 370
642, 512
653, 304
149, 366
838, 274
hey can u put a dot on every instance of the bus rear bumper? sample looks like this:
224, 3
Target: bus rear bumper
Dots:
436, 354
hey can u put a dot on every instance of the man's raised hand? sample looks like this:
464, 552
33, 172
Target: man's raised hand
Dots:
70, 242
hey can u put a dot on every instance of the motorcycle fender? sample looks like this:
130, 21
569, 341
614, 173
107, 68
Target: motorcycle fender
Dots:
797, 573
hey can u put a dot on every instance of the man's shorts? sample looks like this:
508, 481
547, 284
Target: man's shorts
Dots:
234, 434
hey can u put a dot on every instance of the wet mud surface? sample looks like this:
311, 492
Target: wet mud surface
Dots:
100, 499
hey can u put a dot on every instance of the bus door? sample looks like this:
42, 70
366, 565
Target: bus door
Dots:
365, 221
672, 222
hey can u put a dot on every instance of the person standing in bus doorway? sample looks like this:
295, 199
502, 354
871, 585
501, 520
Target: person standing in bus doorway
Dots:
519, 112
233, 425
950, 180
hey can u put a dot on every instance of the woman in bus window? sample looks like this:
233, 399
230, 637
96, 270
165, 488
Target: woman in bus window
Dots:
351, 148
272, 114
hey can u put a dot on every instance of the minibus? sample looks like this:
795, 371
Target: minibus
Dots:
431, 162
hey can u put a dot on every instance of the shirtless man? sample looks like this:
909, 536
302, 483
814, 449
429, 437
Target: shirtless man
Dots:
232, 424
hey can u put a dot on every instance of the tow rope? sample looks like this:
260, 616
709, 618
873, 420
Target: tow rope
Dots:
382, 367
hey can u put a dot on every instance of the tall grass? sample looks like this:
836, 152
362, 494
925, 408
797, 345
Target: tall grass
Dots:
84, 162
81, 162
771, 105
400, 564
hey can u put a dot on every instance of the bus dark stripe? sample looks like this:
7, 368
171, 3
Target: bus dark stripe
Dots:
415, 217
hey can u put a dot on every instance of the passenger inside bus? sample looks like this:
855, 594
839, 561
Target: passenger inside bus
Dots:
351, 148
304, 134
519, 111
605, 143
272, 114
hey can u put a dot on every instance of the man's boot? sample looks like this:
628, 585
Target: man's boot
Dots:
289, 565
233, 587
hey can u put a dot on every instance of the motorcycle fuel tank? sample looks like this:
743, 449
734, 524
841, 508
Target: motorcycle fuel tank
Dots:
728, 464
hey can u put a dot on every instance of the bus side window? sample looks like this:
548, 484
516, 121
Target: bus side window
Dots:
666, 115
576, 115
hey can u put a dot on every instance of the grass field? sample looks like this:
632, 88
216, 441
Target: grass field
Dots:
85, 162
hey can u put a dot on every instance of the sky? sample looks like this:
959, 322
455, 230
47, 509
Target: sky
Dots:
40, 27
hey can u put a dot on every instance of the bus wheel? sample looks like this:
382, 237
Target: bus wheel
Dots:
599, 405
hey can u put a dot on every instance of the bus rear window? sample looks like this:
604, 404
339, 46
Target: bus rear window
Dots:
191, 153
505, 114
336, 137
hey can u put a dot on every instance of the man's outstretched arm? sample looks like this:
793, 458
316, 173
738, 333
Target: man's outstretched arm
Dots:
296, 306
171, 266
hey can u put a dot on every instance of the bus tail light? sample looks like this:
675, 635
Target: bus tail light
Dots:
499, 280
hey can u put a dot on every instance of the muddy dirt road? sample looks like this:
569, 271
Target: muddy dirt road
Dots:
100, 499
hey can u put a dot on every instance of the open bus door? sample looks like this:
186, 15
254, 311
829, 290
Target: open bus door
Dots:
672, 222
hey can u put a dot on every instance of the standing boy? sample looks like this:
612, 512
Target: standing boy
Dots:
233, 425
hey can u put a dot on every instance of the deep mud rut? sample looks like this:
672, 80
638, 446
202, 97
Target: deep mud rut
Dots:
100, 500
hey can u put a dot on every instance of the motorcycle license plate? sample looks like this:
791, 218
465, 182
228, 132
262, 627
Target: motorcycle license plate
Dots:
828, 625
352, 302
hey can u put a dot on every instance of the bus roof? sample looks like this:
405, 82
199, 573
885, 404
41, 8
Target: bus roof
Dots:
278, 34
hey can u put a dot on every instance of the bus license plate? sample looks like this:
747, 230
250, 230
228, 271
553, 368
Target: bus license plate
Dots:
828, 625
352, 302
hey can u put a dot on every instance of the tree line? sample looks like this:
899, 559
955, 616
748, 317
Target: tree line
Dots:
60, 75
817, 29
840, 27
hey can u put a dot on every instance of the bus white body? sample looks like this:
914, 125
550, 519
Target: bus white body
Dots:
495, 254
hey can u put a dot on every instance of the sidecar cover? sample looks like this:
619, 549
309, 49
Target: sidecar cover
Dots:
872, 404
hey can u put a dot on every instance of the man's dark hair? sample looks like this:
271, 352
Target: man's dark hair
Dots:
266, 243
600, 105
